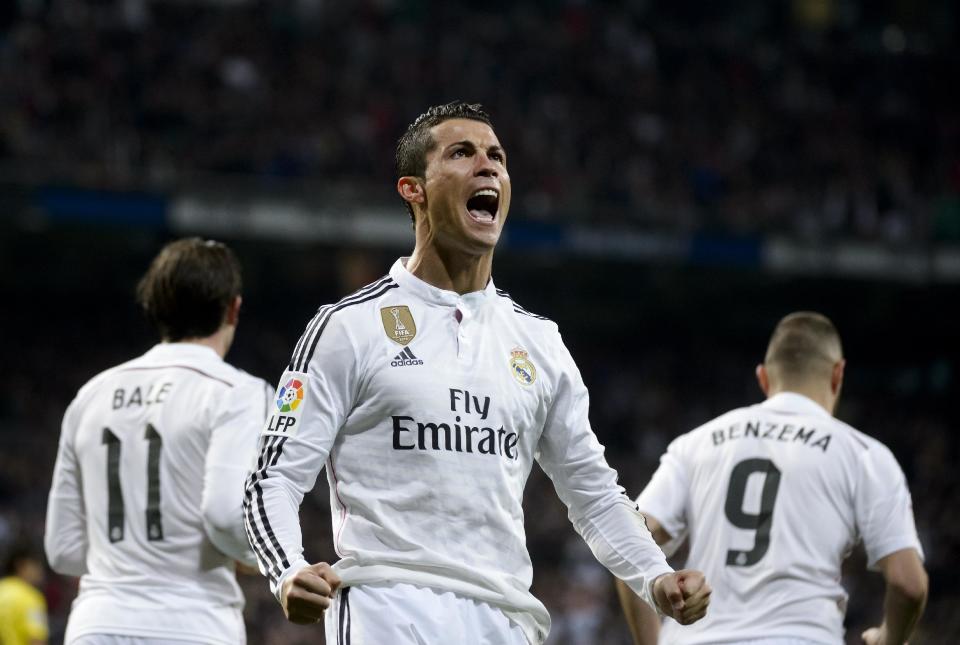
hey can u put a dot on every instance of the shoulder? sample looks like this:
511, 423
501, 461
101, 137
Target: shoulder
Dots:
91, 386
345, 314
523, 314
856, 446
17, 592
736, 415
872, 452
245, 380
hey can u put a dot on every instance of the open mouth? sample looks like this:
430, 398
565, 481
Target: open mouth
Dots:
483, 205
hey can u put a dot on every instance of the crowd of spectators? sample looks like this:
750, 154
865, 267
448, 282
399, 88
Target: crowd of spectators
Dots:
660, 354
815, 118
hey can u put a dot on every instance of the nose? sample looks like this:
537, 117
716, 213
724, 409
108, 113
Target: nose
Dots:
485, 166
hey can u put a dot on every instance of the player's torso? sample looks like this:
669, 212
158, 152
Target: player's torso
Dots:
446, 422
141, 442
771, 518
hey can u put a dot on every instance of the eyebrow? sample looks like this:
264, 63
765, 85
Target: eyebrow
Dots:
471, 144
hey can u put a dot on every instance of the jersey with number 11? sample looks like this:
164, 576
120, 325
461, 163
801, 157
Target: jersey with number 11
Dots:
773, 497
145, 447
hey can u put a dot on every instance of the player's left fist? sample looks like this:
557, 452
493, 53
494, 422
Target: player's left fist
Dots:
682, 595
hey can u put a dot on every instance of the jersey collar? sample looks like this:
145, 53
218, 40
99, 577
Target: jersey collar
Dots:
435, 295
182, 350
793, 403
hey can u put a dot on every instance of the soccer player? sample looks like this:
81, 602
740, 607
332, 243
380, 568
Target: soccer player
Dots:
147, 490
427, 395
773, 497
23, 609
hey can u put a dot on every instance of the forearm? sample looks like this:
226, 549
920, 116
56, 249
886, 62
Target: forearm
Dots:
222, 512
901, 611
271, 519
643, 621
65, 536
620, 541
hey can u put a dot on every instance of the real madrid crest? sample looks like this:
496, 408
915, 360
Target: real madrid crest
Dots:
398, 324
521, 367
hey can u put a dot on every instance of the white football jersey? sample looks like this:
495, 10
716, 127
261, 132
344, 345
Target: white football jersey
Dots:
146, 498
773, 497
428, 409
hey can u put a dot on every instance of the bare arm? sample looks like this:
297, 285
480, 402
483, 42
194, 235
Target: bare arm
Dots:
641, 618
905, 598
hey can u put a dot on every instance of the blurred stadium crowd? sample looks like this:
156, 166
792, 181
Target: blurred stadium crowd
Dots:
819, 118
815, 119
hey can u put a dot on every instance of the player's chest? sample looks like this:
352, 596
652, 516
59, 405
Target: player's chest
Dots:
477, 369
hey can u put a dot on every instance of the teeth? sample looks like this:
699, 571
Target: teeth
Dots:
487, 192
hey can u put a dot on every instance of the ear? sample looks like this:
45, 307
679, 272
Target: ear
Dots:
233, 312
411, 190
763, 379
836, 378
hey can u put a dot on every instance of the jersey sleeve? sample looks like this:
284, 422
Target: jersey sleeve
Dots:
600, 512
665, 496
884, 510
312, 401
236, 421
65, 535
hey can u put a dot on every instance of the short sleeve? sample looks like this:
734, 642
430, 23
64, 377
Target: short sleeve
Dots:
884, 510
665, 496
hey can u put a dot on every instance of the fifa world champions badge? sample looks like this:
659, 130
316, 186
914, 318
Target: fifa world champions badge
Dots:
521, 367
398, 324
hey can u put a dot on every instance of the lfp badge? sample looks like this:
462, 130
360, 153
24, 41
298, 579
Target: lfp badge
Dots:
521, 367
290, 395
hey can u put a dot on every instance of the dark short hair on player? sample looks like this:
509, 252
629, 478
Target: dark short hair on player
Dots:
416, 143
804, 345
188, 288
17, 555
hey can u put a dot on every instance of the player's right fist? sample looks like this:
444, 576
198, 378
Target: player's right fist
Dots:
683, 595
307, 593
875, 636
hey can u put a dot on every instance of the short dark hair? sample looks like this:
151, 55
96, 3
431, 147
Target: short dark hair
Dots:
414, 145
17, 554
804, 345
189, 286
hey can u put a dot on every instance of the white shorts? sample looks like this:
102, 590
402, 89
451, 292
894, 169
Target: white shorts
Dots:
98, 618
404, 614
116, 639
775, 640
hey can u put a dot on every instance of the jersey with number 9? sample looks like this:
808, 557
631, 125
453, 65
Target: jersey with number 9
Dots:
773, 497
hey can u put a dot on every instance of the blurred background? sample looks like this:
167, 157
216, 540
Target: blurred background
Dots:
684, 173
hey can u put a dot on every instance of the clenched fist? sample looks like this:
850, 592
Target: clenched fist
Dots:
683, 595
306, 594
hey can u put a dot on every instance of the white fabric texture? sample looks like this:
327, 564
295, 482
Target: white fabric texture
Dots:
146, 500
404, 614
773, 497
428, 444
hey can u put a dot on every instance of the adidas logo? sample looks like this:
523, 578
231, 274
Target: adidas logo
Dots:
405, 357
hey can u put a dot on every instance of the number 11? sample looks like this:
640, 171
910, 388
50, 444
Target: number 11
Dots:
115, 512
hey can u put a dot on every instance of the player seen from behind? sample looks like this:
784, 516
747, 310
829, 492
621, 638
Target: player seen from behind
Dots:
773, 497
145, 503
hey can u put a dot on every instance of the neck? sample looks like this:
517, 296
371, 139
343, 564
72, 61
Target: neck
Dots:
450, 270
818, 395
219, 341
